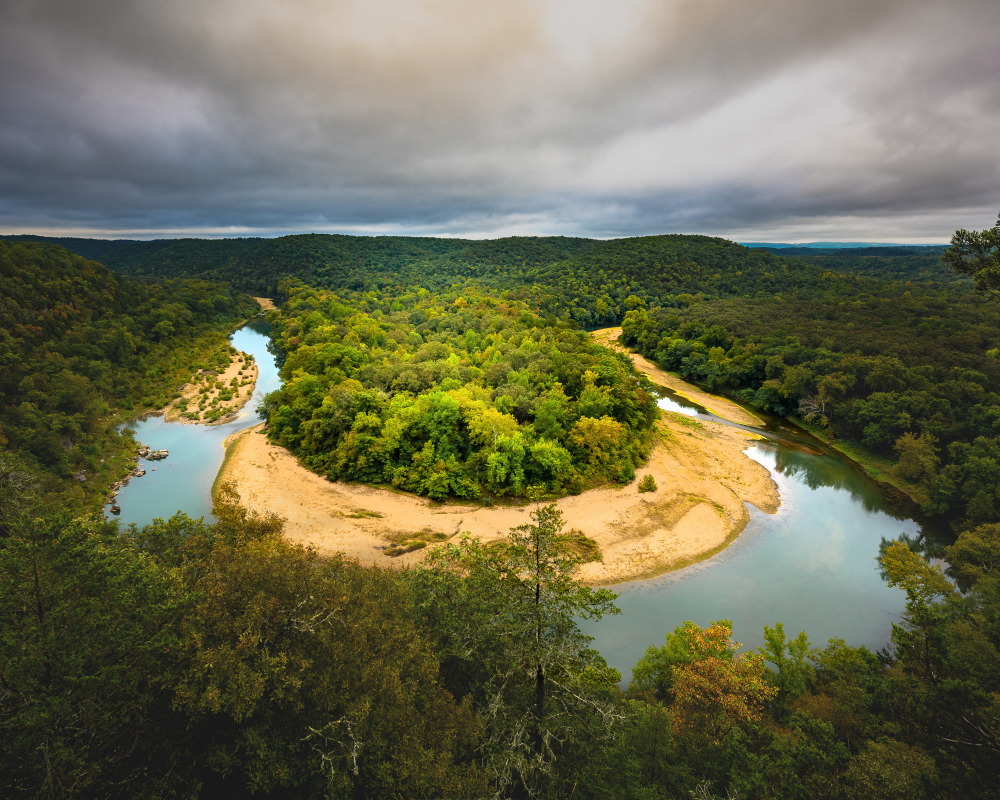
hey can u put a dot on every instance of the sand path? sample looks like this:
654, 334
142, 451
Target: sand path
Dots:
703, 480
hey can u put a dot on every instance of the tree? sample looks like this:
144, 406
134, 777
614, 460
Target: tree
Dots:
790, 657
977, 254
918, 458
719, 690
505, 617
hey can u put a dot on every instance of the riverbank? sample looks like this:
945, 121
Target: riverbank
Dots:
224, 393
720, 406
703, 480
210, 393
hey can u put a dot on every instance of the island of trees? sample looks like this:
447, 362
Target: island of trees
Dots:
197, 659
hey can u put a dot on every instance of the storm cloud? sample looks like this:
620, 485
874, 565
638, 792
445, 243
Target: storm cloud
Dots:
753, 119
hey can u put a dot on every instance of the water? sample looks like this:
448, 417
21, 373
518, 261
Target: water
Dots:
811, 566
183, 480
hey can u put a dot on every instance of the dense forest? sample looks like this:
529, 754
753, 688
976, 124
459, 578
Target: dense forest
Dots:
903, 373
454, 394
81, 346
196, 659
185, 659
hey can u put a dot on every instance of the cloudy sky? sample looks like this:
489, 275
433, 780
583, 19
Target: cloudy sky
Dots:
762, 120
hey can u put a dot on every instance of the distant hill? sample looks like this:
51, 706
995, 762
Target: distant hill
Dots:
813, 246
587, 279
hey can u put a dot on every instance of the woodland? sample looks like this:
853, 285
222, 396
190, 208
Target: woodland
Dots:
192, 658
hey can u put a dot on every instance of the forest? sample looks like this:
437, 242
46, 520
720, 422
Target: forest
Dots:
192, 658
81, 348
454, 394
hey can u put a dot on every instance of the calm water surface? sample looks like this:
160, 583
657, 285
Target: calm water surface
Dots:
811, 565
183, 480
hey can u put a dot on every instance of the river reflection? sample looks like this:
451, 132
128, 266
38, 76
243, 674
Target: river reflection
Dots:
811, 566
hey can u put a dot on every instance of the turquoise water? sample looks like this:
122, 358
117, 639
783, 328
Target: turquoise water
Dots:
183, 481
811, 566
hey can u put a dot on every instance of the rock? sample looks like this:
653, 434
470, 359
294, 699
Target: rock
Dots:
116, 509
81, 476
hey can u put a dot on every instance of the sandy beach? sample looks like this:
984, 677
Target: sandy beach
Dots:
703, 480
720, 406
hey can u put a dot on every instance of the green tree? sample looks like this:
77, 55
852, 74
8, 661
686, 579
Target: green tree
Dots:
977, 255
791, 660
918, 458
505, 618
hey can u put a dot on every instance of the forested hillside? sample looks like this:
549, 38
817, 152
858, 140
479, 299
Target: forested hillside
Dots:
79, 344
916, 264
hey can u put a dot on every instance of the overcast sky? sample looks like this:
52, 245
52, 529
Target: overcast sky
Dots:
762, 120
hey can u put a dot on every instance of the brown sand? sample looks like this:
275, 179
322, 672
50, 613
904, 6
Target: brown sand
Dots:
719, 406
246, 383
702, 475
242, 396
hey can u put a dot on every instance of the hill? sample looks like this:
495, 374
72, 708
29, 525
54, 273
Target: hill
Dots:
80, 344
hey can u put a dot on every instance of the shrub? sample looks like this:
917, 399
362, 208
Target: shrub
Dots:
647, 484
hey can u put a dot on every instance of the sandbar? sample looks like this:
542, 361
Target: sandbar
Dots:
703, 479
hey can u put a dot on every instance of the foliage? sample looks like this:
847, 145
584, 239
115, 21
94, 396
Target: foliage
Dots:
454, 394
647, 484
976, 254
505, 622
79, 344
215, 660
897, 371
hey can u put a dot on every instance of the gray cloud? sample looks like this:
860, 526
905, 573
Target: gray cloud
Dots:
774, 119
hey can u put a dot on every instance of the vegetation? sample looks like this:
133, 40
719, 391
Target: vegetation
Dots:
187, 659
901, 372
195, 660
81, 346
453, 394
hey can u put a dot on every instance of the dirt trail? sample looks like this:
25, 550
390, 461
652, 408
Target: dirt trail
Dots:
702, 475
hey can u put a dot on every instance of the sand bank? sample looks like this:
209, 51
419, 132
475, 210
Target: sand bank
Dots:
239, 368
720, 406
703, 480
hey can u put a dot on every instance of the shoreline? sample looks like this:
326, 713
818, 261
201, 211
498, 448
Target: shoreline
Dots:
244, 389
703, 476
722, 407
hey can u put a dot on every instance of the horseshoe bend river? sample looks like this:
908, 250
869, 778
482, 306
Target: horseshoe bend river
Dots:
810, 566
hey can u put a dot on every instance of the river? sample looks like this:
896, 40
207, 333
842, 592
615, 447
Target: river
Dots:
183, 481
811, 565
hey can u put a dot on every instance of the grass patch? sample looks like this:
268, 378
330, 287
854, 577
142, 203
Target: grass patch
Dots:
683, 419
403, 543
582, 546
363, 514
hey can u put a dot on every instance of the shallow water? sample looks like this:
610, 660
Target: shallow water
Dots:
183, 480
811, 566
